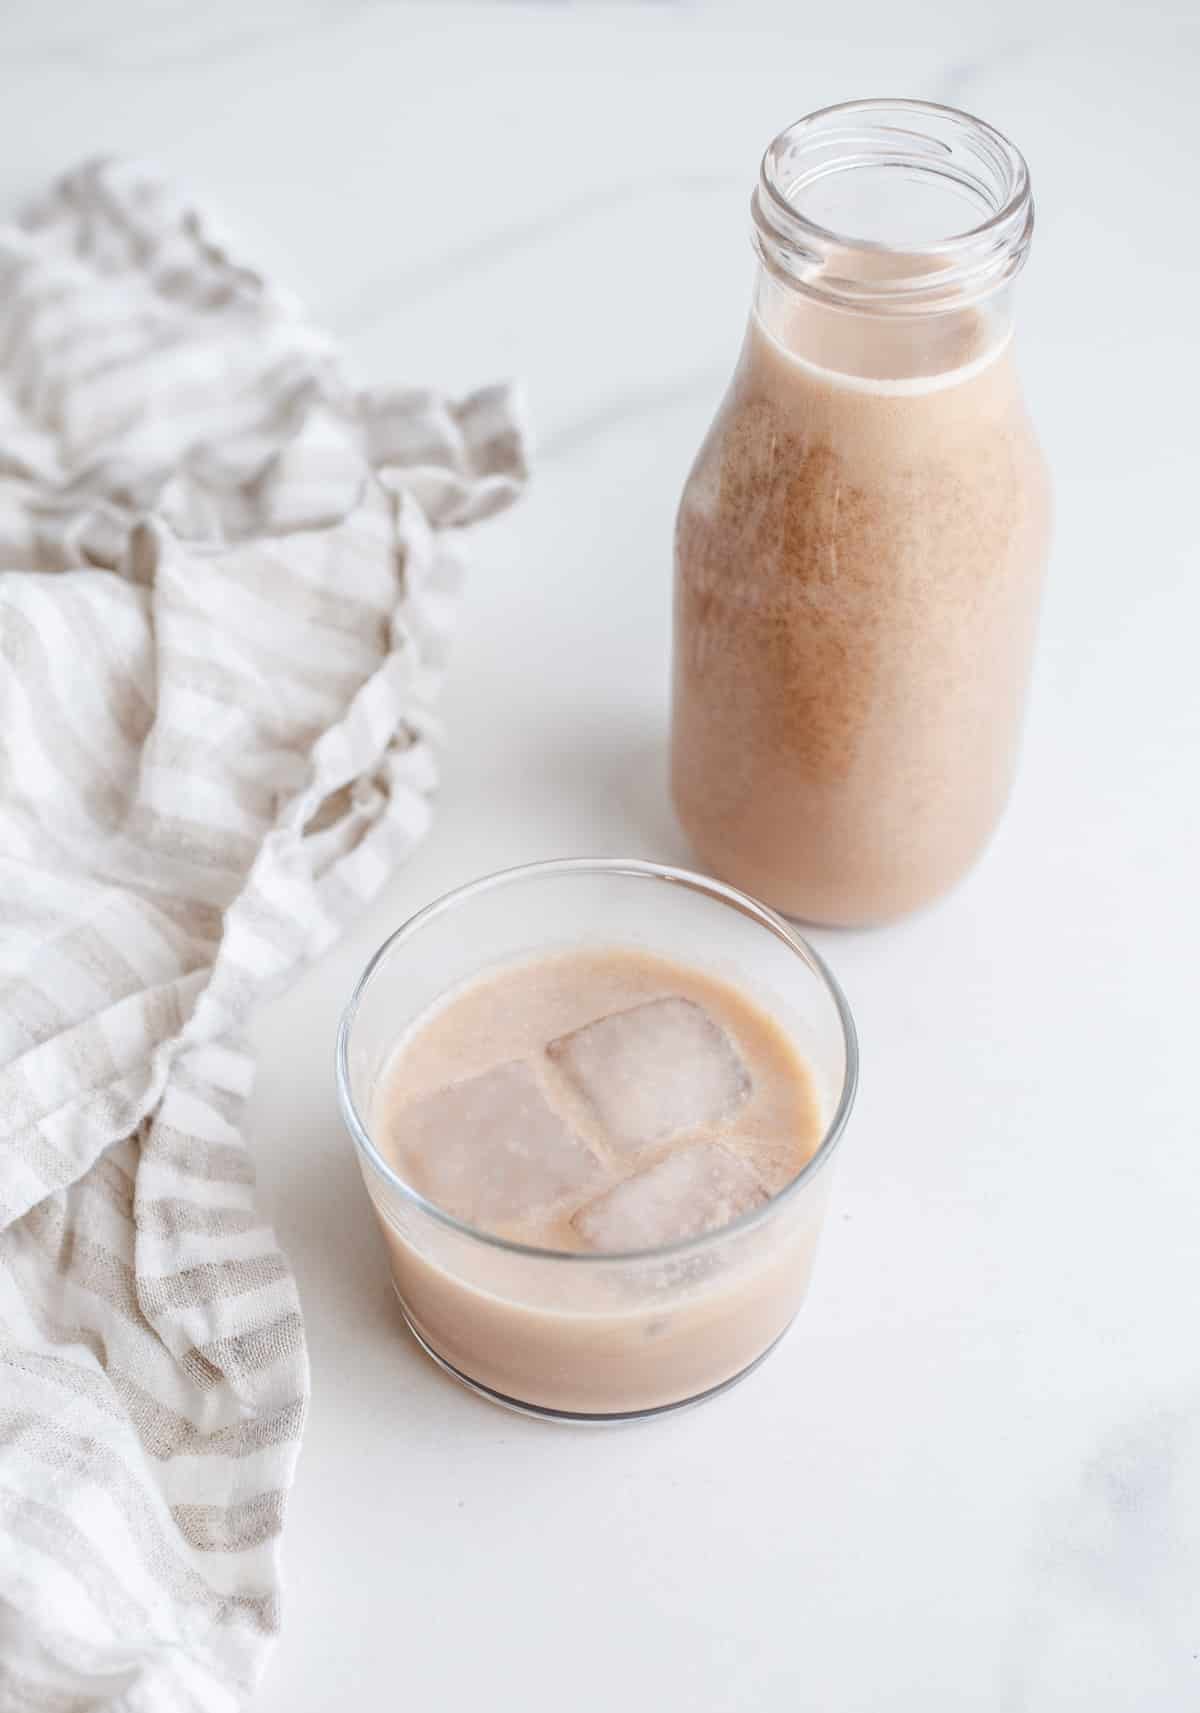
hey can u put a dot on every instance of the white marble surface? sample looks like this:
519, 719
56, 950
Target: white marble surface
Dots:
971, 1476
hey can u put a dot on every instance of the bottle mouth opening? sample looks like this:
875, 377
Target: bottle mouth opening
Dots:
897, 205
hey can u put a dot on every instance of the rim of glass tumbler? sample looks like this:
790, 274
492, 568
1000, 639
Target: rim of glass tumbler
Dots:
634, 868
989, 253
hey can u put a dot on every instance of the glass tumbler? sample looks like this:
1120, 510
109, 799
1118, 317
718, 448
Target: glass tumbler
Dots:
583, 1336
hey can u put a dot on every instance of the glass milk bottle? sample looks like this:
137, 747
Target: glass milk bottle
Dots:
861, 542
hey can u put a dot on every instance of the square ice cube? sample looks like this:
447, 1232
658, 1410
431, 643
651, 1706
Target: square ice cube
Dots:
694, 1190
491, 1149
653, 1071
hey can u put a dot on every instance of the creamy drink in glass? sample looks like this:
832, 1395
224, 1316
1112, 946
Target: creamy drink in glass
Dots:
594, 1104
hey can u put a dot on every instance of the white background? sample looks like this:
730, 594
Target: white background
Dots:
971, 1476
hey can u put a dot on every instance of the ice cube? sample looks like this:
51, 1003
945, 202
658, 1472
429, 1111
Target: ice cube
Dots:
694, 1190
491, 1149
653, 1071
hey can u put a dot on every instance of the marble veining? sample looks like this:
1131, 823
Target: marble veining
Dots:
1114, 1575
482, 251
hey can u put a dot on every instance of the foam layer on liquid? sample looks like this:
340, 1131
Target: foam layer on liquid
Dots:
898, 386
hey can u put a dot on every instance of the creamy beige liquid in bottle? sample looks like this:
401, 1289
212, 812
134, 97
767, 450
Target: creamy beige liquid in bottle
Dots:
597, 1103
861, 543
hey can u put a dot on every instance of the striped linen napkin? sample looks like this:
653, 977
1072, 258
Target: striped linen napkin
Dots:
226, 577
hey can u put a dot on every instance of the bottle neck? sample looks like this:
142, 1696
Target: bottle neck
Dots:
871, 345
889, 235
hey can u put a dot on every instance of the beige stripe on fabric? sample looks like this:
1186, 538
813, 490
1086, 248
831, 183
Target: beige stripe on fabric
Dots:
107, 1179
209, 1162
125, 709
171, 1217
52, 1168
195, 917
82, 1262
231, 1528
216, 1281
215, 1162
246, 1353
86, 1458
166, 1433
174, 1221
225, 1104
273, 581
191, 842
21, 650
106, 963
34, 1013
191, 756
81, 1382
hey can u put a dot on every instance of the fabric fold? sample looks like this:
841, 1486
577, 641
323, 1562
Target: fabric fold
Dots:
228, 577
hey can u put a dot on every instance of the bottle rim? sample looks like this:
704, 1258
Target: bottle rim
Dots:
922, 140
